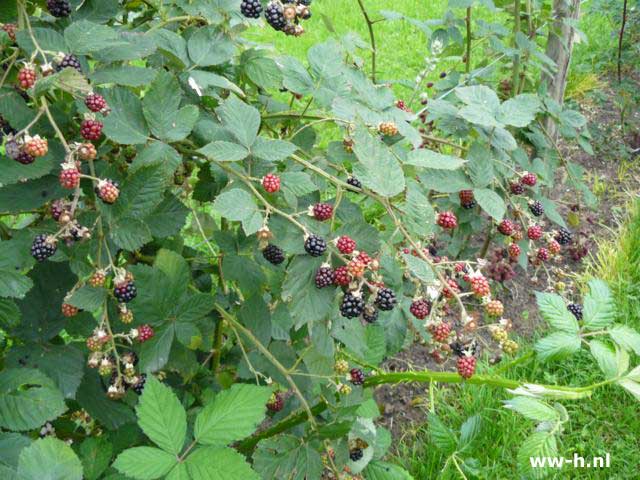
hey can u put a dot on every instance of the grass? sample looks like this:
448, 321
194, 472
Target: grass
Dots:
606, 423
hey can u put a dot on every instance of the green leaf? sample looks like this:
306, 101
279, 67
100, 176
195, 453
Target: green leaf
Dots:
419, 268
49, 459
145, 463
240, 119
168, 218
95, 455
631, 386
445, 181
554, 311
626, 337
11, 444
154, 353
222, 151
208, 47
532, 409
298, 183
161, 416
557, 346
126, 123
599, 309
206, 80
84, 37
470, 430
161, 109
14, 284
234, 414
212, 463
88, 298
385, 471
612, 363
377, 167
490, 202
28, 398
140, 194
537, 445
122, 75
130, 234
261, 70
430, 159
519, 111
271, 150
479, 95
91, 397
68, 80
441, 435
173, 46
30, 195
238, 205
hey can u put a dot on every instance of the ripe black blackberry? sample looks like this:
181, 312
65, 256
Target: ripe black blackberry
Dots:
251, 8
354, 182
370, 314
42, 248
274, 15
69, 61
352, 305
125, 291
315, 246
325, 276
563, 236
356, 376
576, 309
386, 299
138, 387
536, 208
59, 8
24, 158
273, 254
355, 454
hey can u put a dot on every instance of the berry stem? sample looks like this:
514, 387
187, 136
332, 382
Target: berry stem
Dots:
53, 123
25, 16
468, 23
372, 39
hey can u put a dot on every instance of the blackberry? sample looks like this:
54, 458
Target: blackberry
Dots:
96, 103
354, 182
356, 376
466, 366
59, 8
276, 402
322, 211
563, 236
346, 244
325, 276
386, 299
447, 220
304, 2
275, 16
12, 149
576, 309
516, 188
138, 387
420, 309
352, 305
370, 314
25, 159
536, 208
42, 248
315, 246
529, 179
125, 291
251, 8
355, 454
70, 61
273, 254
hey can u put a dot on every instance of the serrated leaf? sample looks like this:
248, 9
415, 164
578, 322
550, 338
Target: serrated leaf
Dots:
238, 205
285, 456
418, 267
490, 202
378, 470
161, 416
298, 183
130, 234
154, 353
95, 455
377, 168
631, 386
222, 151
626, 337
554, 311
272, 150
240, 119
612, 363
11, 444
125, 124
123, 75
441, 435
519, 111
470, 430
211, 463
207, 46
234, 414
88, 298
445, 181
557, 346
430, 159
49, 459
91, 397
145, 463
28, 399
532, 409
599, 310
205, 80
84, 37
537, 445
14, 284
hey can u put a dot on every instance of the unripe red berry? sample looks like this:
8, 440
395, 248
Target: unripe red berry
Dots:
87, 151
466, 366
529, 179
36, 146
506, 227
69, 177
342, 277
494, 308
420, 309
322, 211
96, 103
145, 332
276, 402
480, 286
346, 245
516, 188
441, 332
388, 128
91, 129
69, 310
447, 220
26, 78
107, 191
534, 232
554, 247
271, 183
514, 250
451, 288
542, 254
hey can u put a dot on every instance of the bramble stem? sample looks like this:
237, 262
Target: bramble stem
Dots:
372, 40
468, 22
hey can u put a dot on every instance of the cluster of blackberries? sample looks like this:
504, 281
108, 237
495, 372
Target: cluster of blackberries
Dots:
59, 8
125, 291
283, 15
68, 61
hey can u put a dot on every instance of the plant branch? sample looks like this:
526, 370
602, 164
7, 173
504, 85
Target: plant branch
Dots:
620, 35
372, 39
468, 22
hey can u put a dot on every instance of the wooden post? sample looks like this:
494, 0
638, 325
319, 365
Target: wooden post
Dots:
559, 48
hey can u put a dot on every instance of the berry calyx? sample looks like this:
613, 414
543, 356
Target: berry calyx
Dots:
506, 227
96, 103
534, 232
69, 176
91, 129
447, 220
36, 146
43, 247
145, 332
276, 402
315, 245
467, 199
494, 308
107, 190
466, 366
420, 309
271, 183
529, 179
576, 310
346, 245
352, 305
356, 376
342, 277
388, 129
251, 8
125, 291
69, 310
322, 211
26, 78
273, 254
514, 250
59, 8
325, 276
441, 332
386, 299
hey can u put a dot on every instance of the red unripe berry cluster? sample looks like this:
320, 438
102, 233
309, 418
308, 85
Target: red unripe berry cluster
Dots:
26, 78
322, 211
466, 366
69, 177
91, 129
420, 309
271, 183
346, 245
145, 332
447, 220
